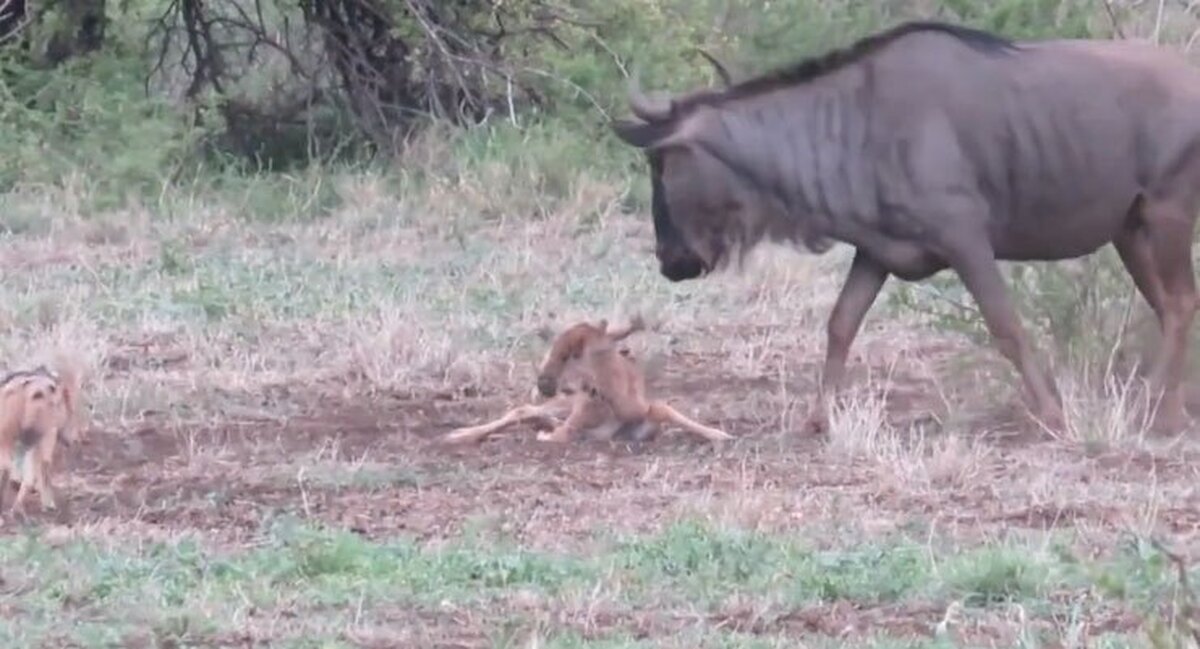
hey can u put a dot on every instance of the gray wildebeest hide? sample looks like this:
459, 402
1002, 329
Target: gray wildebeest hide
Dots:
931, 146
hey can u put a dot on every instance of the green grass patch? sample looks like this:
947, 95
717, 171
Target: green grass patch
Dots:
327, 577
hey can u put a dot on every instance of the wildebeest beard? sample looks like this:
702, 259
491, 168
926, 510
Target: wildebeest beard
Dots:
727, 244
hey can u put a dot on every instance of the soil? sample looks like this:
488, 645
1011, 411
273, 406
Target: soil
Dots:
226, 480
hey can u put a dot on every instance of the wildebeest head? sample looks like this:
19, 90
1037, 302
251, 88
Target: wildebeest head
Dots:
678, 258
700, 205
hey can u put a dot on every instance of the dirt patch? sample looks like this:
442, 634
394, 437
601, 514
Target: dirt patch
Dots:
373, 467
226, 478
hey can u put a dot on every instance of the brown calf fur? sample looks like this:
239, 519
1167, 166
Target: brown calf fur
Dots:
38, 408
599, 386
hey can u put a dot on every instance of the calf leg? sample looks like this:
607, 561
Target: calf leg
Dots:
863, 282
31, 476
660, 412
976, 266
1170, 235
475, 434
587, 414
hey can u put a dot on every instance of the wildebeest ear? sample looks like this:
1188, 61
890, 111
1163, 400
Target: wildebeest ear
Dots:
641, 134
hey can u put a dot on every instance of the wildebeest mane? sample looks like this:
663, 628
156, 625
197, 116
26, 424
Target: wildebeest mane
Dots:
812, 68
40, 370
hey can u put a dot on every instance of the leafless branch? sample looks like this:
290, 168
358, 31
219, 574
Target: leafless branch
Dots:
14, 18
385, 62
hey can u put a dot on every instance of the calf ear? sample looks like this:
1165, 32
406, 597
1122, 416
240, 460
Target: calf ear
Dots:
641, 134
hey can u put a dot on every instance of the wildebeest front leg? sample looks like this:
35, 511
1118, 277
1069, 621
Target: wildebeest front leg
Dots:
976, 266
863, 282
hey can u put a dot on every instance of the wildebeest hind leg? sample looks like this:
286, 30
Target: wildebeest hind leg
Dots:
1170, 232
980, 274
863, 282
1137, 254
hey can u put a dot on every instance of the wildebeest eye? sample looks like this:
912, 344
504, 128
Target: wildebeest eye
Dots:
37, 395
51, 389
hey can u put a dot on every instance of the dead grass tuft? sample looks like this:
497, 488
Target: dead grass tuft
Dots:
908, 457
1106, 412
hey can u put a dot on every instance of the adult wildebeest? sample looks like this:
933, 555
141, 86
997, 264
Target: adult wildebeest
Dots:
931, 146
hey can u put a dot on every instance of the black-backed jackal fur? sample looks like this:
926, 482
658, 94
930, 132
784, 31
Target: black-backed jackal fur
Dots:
39, 408
598, 385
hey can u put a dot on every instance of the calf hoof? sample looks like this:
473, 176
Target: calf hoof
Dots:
459, 437
552, 437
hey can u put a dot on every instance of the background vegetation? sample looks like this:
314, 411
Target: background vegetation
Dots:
127, 102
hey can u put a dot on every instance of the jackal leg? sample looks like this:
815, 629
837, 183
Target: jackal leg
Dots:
6, 460
31, 475
660, 412
45, 457
475, 434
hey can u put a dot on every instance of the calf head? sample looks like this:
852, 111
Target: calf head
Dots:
567, 359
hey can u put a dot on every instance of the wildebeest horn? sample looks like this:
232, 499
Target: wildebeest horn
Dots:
717, 65
644, 107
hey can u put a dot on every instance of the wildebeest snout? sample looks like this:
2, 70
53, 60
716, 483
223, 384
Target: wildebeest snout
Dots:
546, 385
678, 264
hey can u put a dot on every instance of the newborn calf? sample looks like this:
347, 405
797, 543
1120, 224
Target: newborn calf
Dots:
601, 387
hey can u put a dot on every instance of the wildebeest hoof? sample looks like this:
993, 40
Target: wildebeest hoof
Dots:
1172, 421
1052, 420
817, 423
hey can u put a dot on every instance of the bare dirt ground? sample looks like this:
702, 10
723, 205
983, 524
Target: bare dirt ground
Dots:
373, 466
